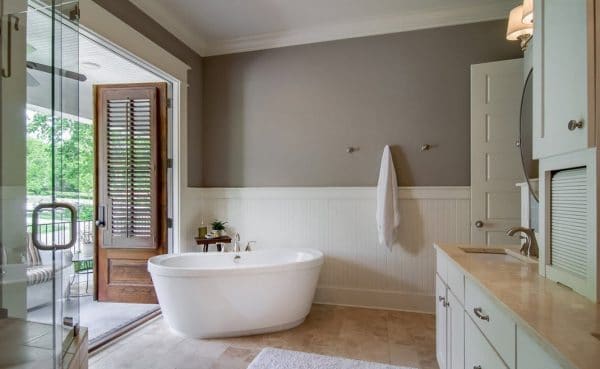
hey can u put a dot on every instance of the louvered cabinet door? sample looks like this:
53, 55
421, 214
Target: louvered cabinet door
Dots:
131, 188
568, 221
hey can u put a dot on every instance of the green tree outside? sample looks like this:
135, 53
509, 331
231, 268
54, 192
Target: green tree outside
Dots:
73, 159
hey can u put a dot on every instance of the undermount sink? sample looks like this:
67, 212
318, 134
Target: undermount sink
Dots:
483, 250
499, 251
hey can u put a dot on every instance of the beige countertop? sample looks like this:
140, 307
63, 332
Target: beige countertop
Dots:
560, 319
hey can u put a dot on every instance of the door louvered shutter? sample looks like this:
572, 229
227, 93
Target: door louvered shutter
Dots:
129, 147
569, 214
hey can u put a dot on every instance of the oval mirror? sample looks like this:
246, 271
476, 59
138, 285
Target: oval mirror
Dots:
525, 142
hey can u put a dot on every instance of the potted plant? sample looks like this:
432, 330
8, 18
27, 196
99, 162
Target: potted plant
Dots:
218, 228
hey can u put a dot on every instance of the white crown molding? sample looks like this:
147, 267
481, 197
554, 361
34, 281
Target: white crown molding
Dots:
162, 15
370, 26
364, 27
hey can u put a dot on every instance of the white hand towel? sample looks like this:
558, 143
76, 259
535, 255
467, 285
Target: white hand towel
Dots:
387, 215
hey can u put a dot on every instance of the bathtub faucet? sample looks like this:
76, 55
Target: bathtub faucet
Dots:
236, 243
249, 245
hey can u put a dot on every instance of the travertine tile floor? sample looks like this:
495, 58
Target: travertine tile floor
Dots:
399, 338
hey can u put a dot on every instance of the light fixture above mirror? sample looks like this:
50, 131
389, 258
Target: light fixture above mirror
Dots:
527, 12
517, 29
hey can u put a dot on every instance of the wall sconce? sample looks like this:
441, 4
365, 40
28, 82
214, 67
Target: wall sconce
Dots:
517, 30
527, 12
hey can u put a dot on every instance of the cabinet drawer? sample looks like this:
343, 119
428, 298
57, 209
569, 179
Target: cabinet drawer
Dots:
456, 281
441, 266
478, 352
494, 321
531, 355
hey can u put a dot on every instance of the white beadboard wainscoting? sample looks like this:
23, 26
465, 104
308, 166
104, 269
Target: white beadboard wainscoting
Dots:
341, 223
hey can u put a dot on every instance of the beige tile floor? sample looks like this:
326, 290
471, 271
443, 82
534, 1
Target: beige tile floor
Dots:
399, 338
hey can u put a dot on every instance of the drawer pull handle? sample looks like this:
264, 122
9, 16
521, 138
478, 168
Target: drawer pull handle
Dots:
479, 312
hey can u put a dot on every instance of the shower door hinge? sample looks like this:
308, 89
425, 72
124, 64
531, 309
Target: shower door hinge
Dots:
75, 13
169, 103
169, 163
169, 222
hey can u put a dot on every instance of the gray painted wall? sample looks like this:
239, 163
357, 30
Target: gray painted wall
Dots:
142, 23
284, 117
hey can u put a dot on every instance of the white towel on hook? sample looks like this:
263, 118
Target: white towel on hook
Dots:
387, 215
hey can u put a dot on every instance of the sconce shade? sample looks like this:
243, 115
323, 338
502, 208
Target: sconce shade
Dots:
516, 28
527, 12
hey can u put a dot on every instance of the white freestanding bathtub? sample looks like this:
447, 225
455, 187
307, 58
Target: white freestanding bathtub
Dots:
209, 295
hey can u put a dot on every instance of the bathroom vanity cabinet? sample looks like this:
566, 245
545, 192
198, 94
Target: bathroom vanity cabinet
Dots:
494, 311
563, 61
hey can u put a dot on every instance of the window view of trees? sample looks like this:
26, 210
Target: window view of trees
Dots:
73, 161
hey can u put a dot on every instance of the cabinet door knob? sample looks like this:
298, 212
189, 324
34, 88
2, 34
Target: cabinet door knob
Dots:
479, 224
477, 367
574, 124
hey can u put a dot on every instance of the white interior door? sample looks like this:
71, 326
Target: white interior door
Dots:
495, 159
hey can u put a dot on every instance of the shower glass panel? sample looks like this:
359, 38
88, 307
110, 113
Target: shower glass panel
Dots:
39, 181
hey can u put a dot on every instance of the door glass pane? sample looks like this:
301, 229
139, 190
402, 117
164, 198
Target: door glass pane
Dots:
39, 157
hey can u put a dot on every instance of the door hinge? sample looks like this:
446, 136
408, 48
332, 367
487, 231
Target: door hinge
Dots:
169, 103
169, 222
169, 163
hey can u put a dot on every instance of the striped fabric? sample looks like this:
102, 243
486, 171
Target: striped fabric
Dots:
33, 254
39, 274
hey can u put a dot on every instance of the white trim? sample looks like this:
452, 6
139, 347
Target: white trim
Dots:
104, 24
160, 12
375, 299
359, 28
438, 193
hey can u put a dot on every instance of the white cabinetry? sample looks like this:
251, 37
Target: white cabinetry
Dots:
441, 331
473, 330
560, 64
455, 327
478, 352
450, 349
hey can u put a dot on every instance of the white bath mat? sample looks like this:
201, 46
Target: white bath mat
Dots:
272, 358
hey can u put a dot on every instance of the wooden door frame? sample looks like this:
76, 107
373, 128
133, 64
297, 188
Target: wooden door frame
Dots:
162, 201
102, 27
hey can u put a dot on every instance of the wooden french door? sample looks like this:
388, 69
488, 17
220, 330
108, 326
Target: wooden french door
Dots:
131, 188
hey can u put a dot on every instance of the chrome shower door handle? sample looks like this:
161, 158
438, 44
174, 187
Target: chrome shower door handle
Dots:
12, 22
35, 225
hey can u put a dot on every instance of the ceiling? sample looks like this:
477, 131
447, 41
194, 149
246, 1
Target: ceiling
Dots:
213, 27
74, 53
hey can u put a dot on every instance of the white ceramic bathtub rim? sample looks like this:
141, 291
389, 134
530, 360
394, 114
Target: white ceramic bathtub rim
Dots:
155, 265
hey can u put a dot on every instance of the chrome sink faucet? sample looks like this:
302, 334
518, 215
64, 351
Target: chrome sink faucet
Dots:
530, 247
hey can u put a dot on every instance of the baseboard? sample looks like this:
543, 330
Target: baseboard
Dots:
375, 299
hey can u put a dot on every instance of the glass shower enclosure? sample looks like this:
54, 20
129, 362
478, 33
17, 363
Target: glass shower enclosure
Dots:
39, 105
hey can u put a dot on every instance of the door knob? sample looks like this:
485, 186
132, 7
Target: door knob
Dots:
574, 124
479, 224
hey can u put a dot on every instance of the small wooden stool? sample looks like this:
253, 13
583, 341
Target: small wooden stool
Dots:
212, 241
